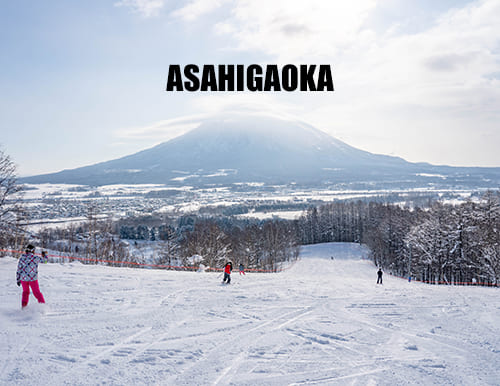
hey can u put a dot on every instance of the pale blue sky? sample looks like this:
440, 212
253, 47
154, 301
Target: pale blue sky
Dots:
83, 82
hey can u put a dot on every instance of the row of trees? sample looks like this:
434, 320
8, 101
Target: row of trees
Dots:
457, 243
442, 243
94, 239
264, 245
214, 241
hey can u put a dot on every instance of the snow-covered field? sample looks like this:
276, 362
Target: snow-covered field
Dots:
284, 214
322, 322
59, 205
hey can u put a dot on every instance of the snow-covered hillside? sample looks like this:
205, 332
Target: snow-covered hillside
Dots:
322, 322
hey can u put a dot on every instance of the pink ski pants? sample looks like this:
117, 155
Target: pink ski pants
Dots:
26, 292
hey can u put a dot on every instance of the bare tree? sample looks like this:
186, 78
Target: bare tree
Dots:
10, 201
209, 241
92, 225
168, 246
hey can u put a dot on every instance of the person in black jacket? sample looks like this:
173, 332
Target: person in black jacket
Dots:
379, 276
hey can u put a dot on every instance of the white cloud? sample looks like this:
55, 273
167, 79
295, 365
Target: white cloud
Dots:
390, 85
197, 8
249, 102
160, 131
296, 30
146, 8
209, 107
396, 89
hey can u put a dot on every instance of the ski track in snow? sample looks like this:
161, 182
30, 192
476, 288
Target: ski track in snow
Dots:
322, 322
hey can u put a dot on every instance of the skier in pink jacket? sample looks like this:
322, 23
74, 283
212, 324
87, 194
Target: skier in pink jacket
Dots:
27, 274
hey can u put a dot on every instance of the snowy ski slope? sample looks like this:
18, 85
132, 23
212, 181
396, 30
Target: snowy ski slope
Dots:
322, 322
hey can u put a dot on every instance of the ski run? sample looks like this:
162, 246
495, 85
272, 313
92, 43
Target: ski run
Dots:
324, 321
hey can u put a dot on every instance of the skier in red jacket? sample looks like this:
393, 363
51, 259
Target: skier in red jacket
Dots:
227, 272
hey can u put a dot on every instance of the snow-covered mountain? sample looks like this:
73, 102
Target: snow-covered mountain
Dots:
256, 148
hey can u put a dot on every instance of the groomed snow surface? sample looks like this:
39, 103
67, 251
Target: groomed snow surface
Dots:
322, 322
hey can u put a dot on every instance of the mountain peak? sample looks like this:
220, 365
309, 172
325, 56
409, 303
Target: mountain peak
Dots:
237, 147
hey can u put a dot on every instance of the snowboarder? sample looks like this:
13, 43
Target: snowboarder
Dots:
242, 269
227, 272
379, 276
27, 274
